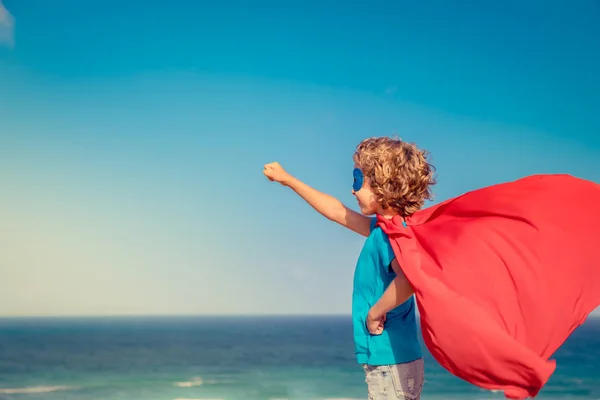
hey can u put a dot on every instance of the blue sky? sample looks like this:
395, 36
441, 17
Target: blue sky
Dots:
132, 137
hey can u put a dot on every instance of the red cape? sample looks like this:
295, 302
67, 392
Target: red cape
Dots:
502, 276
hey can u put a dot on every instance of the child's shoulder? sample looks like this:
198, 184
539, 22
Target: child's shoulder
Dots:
376, 229
378, 237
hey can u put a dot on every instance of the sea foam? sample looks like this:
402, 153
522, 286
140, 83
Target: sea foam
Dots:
191, 383
35, 389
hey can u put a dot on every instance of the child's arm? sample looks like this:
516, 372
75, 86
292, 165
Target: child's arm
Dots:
326, 205
396, 293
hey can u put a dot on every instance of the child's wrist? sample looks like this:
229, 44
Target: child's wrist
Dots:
288, 181
375, 312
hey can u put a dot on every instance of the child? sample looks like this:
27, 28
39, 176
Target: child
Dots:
391, 177
503, 274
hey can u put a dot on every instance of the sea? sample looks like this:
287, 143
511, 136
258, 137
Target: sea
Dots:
229, 358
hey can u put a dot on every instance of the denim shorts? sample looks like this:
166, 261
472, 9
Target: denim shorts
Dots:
395, 382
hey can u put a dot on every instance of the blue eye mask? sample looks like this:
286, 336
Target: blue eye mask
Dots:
358, 179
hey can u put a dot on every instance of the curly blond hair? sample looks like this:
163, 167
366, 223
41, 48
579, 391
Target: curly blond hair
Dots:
398, 172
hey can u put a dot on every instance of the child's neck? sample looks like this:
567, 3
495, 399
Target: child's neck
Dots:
387, 214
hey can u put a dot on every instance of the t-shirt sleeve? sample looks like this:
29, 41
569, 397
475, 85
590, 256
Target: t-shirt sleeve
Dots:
373, 223
387, 254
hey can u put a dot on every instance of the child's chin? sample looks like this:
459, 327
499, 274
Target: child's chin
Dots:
367, 211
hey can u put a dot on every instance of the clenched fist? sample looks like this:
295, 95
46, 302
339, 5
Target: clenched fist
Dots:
275, 172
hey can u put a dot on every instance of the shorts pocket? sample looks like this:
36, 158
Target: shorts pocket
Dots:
408, 379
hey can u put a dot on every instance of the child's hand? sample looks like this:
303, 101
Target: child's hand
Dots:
275, 172
375, 324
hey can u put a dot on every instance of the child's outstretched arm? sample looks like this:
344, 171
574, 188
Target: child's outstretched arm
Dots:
326, 205
396, 293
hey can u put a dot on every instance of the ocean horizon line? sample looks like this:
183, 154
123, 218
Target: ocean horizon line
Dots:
167, 316
593, 315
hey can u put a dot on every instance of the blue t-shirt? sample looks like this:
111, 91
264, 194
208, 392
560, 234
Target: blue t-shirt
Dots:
399, 341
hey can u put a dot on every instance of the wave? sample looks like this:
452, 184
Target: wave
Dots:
35, 389
197, 381
191, 383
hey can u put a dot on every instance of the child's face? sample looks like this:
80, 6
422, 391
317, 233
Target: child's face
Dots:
364, 194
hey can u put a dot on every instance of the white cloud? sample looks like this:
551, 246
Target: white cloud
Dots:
7, 27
